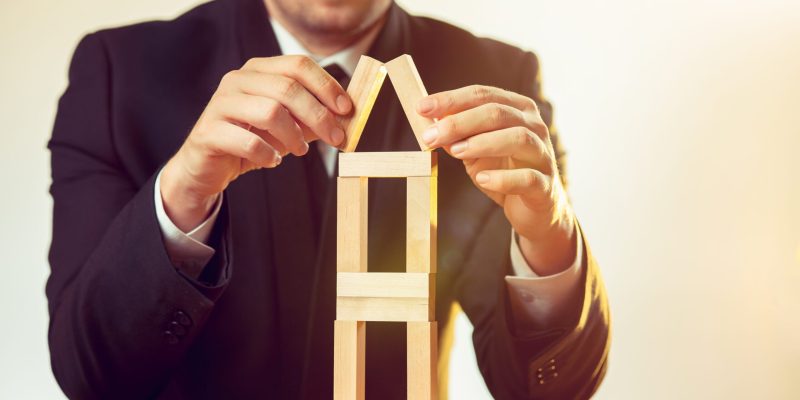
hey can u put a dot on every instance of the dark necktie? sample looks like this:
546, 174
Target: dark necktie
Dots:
339, 74
319, 182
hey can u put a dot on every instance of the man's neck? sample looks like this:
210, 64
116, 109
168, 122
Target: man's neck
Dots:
323, 45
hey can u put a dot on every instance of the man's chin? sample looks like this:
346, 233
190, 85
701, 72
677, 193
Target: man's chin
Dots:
335, 21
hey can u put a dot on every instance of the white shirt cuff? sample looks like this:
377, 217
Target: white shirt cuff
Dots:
187, 251
538, 301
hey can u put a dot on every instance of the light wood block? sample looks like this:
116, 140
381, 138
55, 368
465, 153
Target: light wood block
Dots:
384, 284
351, 225
421, 224
410, 90
398, 309
395, 164
422, 360
363, 89
349, 359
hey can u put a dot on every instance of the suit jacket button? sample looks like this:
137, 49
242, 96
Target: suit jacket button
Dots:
183, 318
170, 338
177, 328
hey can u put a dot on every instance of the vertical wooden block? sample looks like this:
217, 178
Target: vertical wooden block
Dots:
351, 224
349, 359
363, 89
422, 360
410, 90
421, 220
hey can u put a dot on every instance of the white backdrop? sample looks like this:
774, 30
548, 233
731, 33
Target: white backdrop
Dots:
682, 124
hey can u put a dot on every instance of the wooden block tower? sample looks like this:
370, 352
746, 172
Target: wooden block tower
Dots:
363, 296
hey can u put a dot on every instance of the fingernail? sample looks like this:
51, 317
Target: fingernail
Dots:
482, 178
304, 149
278, 159
337, 136
343, 104
458, 147
426, 105
430, 134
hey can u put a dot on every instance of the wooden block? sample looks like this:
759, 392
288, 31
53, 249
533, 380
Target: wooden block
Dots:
363, 89
410, 90
398, 309
351, 224
384, 284
422, 360
394, 164
349, 351
421, 221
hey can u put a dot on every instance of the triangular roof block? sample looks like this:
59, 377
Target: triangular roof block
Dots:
364, 88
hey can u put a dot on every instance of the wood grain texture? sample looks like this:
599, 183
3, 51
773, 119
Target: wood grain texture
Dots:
351, 226
410, 90
349, 359
421, 224
394, 164
364, 86
384, 284
398, 309
422, 360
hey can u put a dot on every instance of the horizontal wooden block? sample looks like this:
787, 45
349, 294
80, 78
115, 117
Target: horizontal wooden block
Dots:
349, 359
422, 360
410, 90
379, 296
395, 164
384, 309
384, 284
365, 84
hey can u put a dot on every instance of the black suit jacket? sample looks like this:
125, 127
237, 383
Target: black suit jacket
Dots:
259, 322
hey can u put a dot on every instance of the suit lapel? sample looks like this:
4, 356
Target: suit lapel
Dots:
294, 243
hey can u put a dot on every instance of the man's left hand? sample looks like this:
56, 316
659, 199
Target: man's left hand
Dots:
506, 149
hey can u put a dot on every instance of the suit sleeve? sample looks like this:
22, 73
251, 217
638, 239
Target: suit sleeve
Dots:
121, 316
564, 360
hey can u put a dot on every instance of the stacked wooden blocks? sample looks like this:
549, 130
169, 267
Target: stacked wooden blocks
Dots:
369, 296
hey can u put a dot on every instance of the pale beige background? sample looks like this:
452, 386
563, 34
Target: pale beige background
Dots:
682, 123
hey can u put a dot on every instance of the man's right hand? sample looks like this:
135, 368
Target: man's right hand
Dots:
259, 113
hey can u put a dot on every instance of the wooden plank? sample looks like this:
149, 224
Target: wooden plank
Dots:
364, 86
410, 90
393, 164
384, 309
421, 224
422, 360
349, 359
384, 284
351, 224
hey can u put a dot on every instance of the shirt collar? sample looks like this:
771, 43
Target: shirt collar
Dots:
346, 58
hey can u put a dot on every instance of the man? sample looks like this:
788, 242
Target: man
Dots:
178, 274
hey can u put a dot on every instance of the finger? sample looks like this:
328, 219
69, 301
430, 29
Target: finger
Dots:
236, 141
271, 140
313, 77
303, 106
526, 182
266, 115
484, 118
516, 142
449, 102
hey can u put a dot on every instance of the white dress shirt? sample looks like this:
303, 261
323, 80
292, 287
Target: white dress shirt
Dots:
535, 300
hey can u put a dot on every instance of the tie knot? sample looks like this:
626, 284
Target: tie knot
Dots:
339, 74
